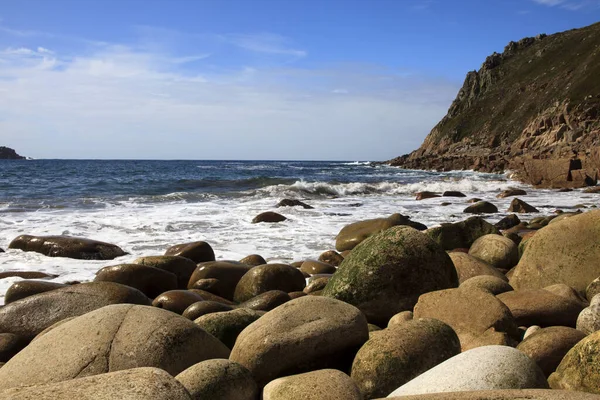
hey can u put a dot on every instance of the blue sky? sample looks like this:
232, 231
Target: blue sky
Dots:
247, 79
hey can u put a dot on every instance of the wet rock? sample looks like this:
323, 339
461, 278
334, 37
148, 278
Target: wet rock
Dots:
44, 309
219, 379
331, 257
11, 344
179, 266
519, 206
481, 207
266, 301
196, 251
20, 290
176, 301
149, 280
508, 222
67, 246
294, 203
316, 284
487, 283
474, 200
268, 216
317, 267
426, 195
453, 193
218, 277
388, 272
304, 334
253, 260
496, 250
511, 192
324, 384
227, 325
400, 318
461, 234
548, 346
200, 308
468, 266
109, 339
398, 354
578, 370
26, 275
483, 368
295, 295
267, 277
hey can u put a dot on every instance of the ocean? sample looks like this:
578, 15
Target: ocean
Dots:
147, 206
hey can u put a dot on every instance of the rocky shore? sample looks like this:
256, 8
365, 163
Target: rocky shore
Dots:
6, 153
468, 310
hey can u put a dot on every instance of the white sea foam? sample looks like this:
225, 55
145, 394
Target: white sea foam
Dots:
148, 228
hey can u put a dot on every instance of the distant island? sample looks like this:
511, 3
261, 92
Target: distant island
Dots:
533, 109
6, 153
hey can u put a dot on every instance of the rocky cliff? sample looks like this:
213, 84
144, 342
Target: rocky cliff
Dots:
533, 109
6, 153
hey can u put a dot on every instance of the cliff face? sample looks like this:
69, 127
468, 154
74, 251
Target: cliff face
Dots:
7, 153
533, 109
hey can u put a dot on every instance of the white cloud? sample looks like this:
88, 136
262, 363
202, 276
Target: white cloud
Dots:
264, 43
571, 5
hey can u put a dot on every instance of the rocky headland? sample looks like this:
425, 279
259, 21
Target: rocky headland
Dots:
533, 109
6, 153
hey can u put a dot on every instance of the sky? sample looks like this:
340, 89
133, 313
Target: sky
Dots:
247, 79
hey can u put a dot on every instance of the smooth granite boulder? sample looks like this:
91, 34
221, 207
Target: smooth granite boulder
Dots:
181, 267
176, 301
468, 267
131, 384
496, 250
267, 277
21, 289
592, 289
400, 353
304, 334
266, 301
148, 280
588, 320
481, 207
27, 275
218, 277
578, 370
331, 257
562, 252
548, 346
461, 234
253, 260
227, 325
477, 317
351, 235
201, 308
29, 316
487, 283
67, 246
196, 251
268, 216
483, 368
219, 379
507, 394
10, 344
388, 272
323, 384
400, 318
113, 338
551, 306
316, 267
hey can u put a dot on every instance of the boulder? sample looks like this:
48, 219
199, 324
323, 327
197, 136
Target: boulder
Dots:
316, 284
481, 207
468, 267
227, 325
324, 384
578, 370
508, 222
295, 295
483, 368
148, 280
29, 316
113, 338
201, 308
331, 257
388, 272
588, 320
519, 206
181, 267
176, 301
351, 235
26, 275
218, 277
10, 344
461, 234
511, 192
496, 250
196, 251
131, 384
266, 301
400, 353
544, 307
548, 346
304, 334
486, 283
425, 195
294, 203
477, 317
592, 289
219, 379
267, 277
268, 216
67, 246
508, 394
453, 193
317, 267
562, 252
253, 260
400, 318
21, 289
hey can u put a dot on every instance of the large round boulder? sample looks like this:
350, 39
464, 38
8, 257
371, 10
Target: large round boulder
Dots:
483, 368
323, 384
588, 320
219, 379
481, 207
227, 325
267, 277
388, 272
487, 283
266, 301
21, 289
304, 334
10, 344
496, 250
67, 246
562, 252
461, 234
109, 339
149, 280
578, 370
268, 216
201, 308
181, 267
196, 251
218, 277
29, 316
398, 354
468, 267
176, 301
477, 316
316, 267
504, 394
